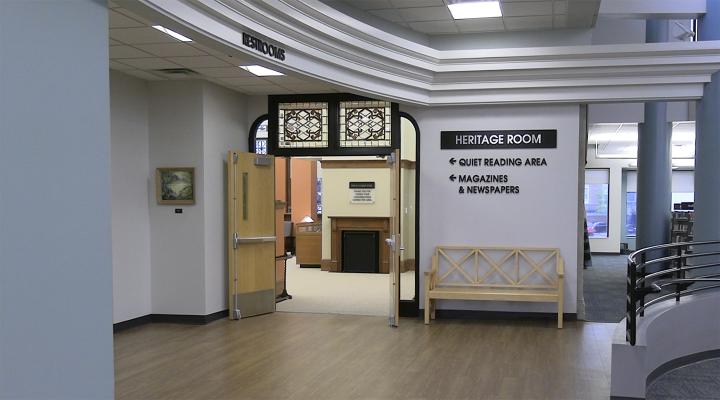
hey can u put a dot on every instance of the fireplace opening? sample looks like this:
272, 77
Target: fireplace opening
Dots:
360, 251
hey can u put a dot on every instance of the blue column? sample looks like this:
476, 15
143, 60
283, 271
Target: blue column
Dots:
654, 162
707, 141
56, 338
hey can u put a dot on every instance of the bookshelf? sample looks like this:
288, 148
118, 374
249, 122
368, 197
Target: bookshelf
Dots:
683, 219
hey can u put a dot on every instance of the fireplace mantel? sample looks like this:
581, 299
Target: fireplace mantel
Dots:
341, 223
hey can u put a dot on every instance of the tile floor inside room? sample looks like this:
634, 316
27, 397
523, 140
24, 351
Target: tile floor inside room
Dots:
324, 292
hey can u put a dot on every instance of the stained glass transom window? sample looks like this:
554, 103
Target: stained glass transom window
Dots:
302, 125
365, 124
261, 138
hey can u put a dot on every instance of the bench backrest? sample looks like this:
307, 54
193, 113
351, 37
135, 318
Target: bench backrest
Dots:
500, 267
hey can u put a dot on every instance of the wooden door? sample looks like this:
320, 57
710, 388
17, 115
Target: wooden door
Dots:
394, 242
251, 234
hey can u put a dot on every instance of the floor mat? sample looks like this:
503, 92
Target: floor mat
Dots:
605, 289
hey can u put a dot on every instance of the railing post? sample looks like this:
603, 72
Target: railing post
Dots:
643, 259
680, 263
630, 327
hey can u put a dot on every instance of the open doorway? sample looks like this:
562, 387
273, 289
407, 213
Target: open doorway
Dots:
333, 216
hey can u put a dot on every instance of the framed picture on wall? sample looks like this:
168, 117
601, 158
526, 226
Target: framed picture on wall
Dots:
175, 185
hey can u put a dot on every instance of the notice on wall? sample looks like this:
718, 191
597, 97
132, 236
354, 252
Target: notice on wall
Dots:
493, 175
362, 192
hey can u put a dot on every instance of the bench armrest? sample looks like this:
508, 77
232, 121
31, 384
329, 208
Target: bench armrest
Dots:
560, 266
430, 277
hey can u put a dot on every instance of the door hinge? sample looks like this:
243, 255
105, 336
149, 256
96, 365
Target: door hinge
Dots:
236, 240
391, 158
235, 158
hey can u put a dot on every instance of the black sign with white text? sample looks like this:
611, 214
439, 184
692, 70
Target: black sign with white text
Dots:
362, 185
517, 139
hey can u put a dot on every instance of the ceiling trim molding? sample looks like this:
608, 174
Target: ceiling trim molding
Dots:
325, 44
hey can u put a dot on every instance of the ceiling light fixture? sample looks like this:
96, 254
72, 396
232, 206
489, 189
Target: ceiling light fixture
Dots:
172, 33
475, 9
259, 70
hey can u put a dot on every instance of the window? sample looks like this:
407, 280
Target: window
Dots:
683, 190
259, 135
303, 125
596, 202
630, 213
365, 124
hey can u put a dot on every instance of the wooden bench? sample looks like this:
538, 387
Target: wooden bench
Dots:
494, 273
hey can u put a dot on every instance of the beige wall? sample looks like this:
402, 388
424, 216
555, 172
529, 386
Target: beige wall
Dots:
407, 143
336, 197
407, 212
407, 190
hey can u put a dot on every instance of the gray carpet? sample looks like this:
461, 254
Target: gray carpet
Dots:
604, 288
698, 381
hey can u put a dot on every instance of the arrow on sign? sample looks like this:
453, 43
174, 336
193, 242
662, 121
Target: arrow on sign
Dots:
452, 178
452, 161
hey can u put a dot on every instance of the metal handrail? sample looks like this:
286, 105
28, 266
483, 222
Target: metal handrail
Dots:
673, 258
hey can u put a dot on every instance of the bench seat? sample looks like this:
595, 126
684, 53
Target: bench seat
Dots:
481, 275
481, 293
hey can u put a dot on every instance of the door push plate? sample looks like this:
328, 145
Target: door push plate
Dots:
263, 160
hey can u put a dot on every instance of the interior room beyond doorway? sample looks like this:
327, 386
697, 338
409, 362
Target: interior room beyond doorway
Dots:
336, 215
333, 216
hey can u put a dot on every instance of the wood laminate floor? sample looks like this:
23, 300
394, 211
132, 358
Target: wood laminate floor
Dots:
320, 356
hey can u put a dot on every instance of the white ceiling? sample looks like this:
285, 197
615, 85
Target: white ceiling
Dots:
621, 140
433, 16
139, 50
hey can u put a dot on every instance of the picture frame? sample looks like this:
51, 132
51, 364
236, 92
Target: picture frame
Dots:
175, 185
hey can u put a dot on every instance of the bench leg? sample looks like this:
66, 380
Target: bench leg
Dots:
427, 309
560, 314
433, 304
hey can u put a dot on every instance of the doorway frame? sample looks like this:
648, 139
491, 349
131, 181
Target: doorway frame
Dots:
408, 308
411, 308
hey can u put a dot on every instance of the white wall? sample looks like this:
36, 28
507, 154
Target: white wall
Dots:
635, 112
224, 129
256, 106
177, 240
131, 180
168, 263
55, 245
544, 214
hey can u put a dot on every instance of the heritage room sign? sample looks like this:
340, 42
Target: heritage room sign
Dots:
263, 46
524, 139
489, 175
362, 192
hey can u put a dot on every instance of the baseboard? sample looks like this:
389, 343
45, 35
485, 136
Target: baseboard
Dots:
407, 265
131, 323
216, 316
499, 315
169, 318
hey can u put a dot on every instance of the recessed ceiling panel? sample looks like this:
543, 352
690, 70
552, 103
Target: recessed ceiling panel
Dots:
170, 49
433, 17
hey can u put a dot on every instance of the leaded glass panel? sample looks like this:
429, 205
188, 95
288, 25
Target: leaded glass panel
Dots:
302, 125
365, 124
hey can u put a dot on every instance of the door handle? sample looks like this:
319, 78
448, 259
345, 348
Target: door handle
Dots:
255, 239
